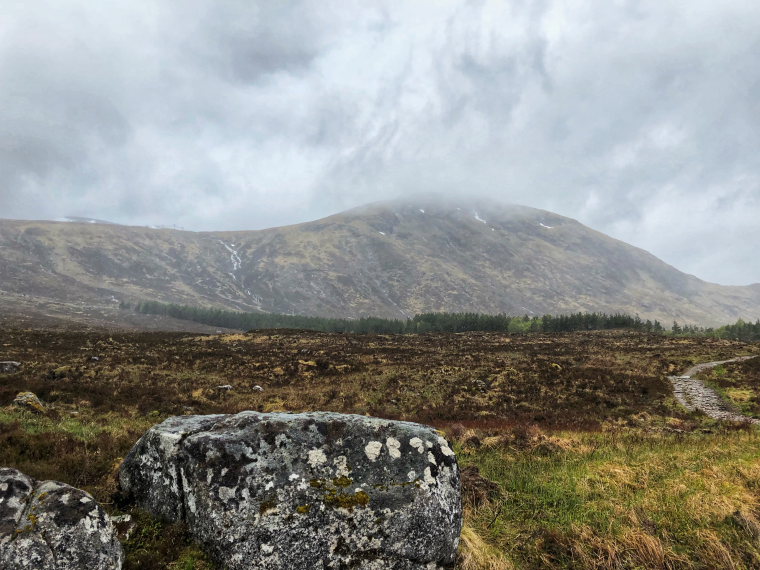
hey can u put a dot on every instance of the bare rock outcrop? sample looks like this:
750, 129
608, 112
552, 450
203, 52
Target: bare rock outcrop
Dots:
297, 491
47, 525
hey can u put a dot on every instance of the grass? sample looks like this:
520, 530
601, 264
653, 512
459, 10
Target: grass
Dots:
624, 500
591, 463
739, 383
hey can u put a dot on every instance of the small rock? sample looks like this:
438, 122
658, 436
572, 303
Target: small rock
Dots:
9, 367
47, 525
124, 526
224, 388
29, 401
258, 388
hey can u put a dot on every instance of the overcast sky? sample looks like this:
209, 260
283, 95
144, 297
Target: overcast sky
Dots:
640, 119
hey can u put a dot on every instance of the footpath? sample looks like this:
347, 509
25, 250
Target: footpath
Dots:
694, 395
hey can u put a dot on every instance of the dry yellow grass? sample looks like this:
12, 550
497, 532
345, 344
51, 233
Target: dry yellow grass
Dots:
476, 554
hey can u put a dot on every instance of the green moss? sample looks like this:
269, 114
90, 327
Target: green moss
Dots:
342, 481
61, 371
346, 500
303, 509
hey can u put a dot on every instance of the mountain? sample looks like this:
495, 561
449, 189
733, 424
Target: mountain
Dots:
390, 259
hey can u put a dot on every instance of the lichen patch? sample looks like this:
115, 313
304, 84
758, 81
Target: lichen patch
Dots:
445, 449
317, 457
373, 449
394, 447
341, 466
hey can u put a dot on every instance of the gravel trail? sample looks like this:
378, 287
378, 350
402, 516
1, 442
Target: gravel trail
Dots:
694, 395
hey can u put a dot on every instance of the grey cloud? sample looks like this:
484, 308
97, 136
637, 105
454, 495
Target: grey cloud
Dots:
639, 118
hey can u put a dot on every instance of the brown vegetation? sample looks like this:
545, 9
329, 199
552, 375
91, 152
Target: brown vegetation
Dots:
567, 441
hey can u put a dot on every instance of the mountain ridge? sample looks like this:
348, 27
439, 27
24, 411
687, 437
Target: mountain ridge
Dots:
390, 259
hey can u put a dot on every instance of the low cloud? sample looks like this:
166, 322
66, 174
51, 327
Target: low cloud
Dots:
639, 119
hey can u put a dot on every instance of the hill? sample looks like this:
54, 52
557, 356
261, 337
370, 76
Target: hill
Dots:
391, 259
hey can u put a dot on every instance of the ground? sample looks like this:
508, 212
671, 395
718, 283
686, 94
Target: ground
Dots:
577, 454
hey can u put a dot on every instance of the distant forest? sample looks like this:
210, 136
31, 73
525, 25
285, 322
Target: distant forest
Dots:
439, 322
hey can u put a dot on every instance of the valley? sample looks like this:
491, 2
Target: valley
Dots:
557, 434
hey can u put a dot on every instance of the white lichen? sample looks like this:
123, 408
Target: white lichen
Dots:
373, 449
189, 497
226, 493
417, 444
341, 466
394, 447
445, 449
317, 457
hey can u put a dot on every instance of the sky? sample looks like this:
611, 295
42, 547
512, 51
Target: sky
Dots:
640, 119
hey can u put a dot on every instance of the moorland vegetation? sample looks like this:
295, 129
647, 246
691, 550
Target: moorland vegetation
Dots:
573, 450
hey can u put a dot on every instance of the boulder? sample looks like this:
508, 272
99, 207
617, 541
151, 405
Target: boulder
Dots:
298, 491
46, 525
29, 401
9, 366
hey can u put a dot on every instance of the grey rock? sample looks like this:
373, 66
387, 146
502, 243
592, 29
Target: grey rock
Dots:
29, 401
52, 526
9, 366
293, 491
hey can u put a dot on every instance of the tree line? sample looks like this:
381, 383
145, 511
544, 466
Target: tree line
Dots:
740, 330
421, 323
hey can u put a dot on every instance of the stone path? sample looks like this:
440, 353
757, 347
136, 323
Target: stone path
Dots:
694, 395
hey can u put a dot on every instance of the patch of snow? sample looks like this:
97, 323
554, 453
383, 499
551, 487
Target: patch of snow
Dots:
381, 233
422, 211
479, 218
234, 257
80, 220
543, 225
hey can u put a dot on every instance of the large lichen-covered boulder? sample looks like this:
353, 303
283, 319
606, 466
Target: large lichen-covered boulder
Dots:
46, 525
293, 491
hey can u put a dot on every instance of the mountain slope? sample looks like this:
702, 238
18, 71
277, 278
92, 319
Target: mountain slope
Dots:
387, 259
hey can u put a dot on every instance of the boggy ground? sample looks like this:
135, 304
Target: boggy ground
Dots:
585, 460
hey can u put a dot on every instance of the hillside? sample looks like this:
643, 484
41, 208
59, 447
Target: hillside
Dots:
389, 259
